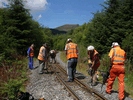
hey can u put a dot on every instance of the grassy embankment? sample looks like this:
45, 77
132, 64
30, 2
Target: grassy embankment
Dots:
14, 76
82, 67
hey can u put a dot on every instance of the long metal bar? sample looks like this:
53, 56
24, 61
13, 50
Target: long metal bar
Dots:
86, 87
68, 88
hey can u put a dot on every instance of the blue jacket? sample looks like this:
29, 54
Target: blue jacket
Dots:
28, 51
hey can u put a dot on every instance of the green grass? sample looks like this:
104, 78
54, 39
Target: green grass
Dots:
82, 67
128, 87
63, 57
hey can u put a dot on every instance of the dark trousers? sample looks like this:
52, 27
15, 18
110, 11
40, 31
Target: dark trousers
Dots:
72, 63
41, 66
52, 59
31, 63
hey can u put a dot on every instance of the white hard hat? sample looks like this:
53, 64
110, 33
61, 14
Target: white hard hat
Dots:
69, 39
52, 51
90, 47
115, 44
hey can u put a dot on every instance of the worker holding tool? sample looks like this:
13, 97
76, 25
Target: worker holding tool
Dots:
106, 75
94, 63
30, 55
72, 57
117, 57
42, 57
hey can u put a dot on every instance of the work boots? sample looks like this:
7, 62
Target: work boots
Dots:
94, 84
90, 81
69, 80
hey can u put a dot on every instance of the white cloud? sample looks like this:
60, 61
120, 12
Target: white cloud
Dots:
3, 3
39, 16
33, 5
36, 5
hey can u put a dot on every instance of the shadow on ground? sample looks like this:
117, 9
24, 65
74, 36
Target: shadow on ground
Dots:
126, 94
80, 76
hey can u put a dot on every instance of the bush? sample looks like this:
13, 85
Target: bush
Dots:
82, 51
13, 75
12, 87
104, 63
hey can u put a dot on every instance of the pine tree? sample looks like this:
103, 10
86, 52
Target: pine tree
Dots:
16, 24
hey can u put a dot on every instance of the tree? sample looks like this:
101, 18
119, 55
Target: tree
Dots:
16, 25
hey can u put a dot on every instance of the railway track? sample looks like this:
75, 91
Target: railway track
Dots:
76, 86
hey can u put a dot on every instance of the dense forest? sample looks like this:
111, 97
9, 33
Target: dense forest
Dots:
114, 23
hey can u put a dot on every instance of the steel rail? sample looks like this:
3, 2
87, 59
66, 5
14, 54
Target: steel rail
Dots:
92, 91
67, 87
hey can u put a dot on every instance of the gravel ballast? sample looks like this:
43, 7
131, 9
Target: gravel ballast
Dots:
46, 86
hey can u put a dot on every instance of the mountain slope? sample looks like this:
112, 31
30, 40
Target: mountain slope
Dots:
63, 29
67, 27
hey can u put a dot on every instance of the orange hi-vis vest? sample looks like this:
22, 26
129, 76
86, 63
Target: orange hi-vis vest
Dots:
71, 50
118, 56
40, 56
31, 54
97, 62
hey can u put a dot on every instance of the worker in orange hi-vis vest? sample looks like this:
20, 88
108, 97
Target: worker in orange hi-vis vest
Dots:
42, 57
117, 57
30, 54
94, 63
72, 57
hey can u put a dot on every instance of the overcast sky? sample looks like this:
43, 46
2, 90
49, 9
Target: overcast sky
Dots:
54, 13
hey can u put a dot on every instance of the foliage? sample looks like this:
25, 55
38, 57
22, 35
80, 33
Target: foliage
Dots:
16, 25
67, 27
63, 57
104, 63
82, 51
113, 24
12, 87
18, 29
59, 42
128, 46
13, 75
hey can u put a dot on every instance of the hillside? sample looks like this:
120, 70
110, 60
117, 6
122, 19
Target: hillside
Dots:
56, 31
67, 27
63, 29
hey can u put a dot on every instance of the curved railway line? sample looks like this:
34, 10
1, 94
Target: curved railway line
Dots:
48, 86
52, 85
76, 85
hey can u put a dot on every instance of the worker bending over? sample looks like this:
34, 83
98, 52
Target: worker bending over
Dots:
42, 57
52, 54
94, 63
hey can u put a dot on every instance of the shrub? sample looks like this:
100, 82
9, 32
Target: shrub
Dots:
13, 75
12, 87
